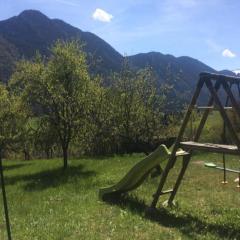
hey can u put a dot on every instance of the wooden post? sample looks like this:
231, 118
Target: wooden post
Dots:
172, 158
187, 158
224, 136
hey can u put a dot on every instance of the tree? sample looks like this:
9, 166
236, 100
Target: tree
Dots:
58, 89
13, 117
138, 108
150, 107
100, 126
125, 104
175, 99
45, 137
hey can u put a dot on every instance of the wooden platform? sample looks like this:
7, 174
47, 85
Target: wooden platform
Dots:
212, 108
210, 147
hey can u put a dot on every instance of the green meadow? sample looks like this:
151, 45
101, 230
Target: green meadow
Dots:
46, 202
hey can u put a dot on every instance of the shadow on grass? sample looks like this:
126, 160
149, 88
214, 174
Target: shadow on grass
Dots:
15, 166
50, 178
187, 224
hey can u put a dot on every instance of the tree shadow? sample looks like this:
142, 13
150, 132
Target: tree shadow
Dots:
189, 225
14, 166
50, 178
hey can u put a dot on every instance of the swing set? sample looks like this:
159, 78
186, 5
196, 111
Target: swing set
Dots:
224, 140
214, 83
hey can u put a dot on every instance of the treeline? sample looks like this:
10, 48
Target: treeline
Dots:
53, 106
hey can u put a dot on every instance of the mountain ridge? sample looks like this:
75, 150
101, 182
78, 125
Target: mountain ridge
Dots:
31, 31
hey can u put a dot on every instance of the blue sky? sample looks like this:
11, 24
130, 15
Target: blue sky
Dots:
207, 30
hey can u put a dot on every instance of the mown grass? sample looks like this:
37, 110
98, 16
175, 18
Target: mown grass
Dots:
47, 203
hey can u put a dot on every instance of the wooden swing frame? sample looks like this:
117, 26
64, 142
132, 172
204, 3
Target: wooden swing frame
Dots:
213, 82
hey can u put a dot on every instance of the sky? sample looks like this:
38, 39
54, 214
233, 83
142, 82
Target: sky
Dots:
207, 30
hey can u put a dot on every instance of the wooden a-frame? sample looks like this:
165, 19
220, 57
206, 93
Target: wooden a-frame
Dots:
213, 82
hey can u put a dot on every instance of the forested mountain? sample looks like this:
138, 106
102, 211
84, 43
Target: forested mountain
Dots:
23, 35
182, 72
31, 31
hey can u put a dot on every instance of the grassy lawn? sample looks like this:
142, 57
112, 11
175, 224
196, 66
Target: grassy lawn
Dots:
46, 203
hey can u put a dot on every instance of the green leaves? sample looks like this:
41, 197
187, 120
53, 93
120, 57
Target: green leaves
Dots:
72, 108
137, 107
57, 89
13, 116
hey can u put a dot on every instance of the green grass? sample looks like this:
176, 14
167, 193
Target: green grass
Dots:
47, 204
212, 130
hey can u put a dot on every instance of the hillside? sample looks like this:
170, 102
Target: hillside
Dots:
31, 31
22, 35
181, 71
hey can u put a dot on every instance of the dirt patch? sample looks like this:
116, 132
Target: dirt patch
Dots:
198, 162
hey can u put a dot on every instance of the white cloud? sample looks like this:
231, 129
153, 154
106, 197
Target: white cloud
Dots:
102, 15
228, 53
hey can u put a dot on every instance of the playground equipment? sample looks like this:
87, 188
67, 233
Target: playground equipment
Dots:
224, 140
214, 166
213, 82
5, 205
135, 177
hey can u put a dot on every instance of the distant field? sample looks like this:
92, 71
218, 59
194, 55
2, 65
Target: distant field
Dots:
47, 204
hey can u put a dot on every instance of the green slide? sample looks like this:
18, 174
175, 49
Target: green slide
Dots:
135, 177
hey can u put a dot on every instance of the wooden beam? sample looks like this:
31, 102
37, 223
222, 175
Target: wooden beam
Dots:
213, 108
213, 76
166, 192
235, 104
210, 147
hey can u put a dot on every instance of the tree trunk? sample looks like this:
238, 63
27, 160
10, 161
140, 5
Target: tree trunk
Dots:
51, 153
65, 157
26, 155
48, 153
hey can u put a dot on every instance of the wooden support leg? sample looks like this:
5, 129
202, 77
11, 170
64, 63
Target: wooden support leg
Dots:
186, 160
230, 95
172, 158
161, 184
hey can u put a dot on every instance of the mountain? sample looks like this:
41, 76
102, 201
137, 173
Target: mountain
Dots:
228, 72
31, 31
23, 35
185, 68
236, 71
